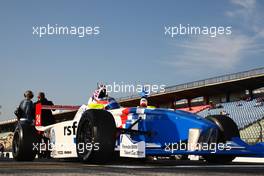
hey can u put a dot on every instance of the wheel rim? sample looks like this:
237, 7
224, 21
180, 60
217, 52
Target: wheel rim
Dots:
85, 137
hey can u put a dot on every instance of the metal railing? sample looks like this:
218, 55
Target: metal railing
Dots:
205, 82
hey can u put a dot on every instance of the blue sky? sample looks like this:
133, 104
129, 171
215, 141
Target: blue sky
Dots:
131, 47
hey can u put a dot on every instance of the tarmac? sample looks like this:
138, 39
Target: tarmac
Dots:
122, 168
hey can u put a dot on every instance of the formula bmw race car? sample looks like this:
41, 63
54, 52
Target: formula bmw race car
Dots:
100, 130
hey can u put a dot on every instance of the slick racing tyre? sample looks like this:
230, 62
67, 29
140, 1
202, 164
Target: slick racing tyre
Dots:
95, 140
227, 130
22, 145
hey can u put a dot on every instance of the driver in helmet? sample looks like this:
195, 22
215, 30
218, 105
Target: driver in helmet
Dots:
101, 100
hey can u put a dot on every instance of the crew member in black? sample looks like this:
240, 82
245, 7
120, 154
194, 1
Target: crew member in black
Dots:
47, 117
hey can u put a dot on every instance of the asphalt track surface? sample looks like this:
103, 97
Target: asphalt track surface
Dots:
149, 168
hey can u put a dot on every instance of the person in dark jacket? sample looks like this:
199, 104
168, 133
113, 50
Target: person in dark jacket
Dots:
47, 117
26, 107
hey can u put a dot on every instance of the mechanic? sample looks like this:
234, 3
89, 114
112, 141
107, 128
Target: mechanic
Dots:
143, 102
47, 117
144, 99
26, 107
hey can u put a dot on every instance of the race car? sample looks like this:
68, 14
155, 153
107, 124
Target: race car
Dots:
98, 133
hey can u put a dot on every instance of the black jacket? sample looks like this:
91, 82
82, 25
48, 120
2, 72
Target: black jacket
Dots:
47, 117
27, 109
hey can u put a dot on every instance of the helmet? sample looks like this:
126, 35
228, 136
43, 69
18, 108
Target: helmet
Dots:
100, 93
28, 94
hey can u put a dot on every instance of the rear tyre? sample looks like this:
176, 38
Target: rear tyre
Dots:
22, 145
227, 130
96, 136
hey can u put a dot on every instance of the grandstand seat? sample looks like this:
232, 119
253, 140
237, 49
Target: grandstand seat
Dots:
244, 114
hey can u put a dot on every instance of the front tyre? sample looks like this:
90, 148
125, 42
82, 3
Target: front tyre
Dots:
95, 139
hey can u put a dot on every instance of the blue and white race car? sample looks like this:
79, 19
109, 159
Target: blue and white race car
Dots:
102, 129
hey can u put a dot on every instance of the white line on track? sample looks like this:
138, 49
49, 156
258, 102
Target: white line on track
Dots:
179, 166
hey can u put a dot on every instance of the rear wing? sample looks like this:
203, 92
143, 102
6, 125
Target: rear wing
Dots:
40, 107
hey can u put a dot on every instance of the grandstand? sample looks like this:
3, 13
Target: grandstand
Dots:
6, 140
244, 113
237, 95
195, 109
254, 132
226, 88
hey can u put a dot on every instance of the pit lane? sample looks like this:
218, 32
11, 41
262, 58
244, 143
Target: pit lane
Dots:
159, 167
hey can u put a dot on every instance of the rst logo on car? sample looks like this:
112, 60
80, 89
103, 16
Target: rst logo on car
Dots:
69, 130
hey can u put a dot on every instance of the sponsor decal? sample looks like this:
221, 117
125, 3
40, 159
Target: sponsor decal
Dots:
70, 130
132, 149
